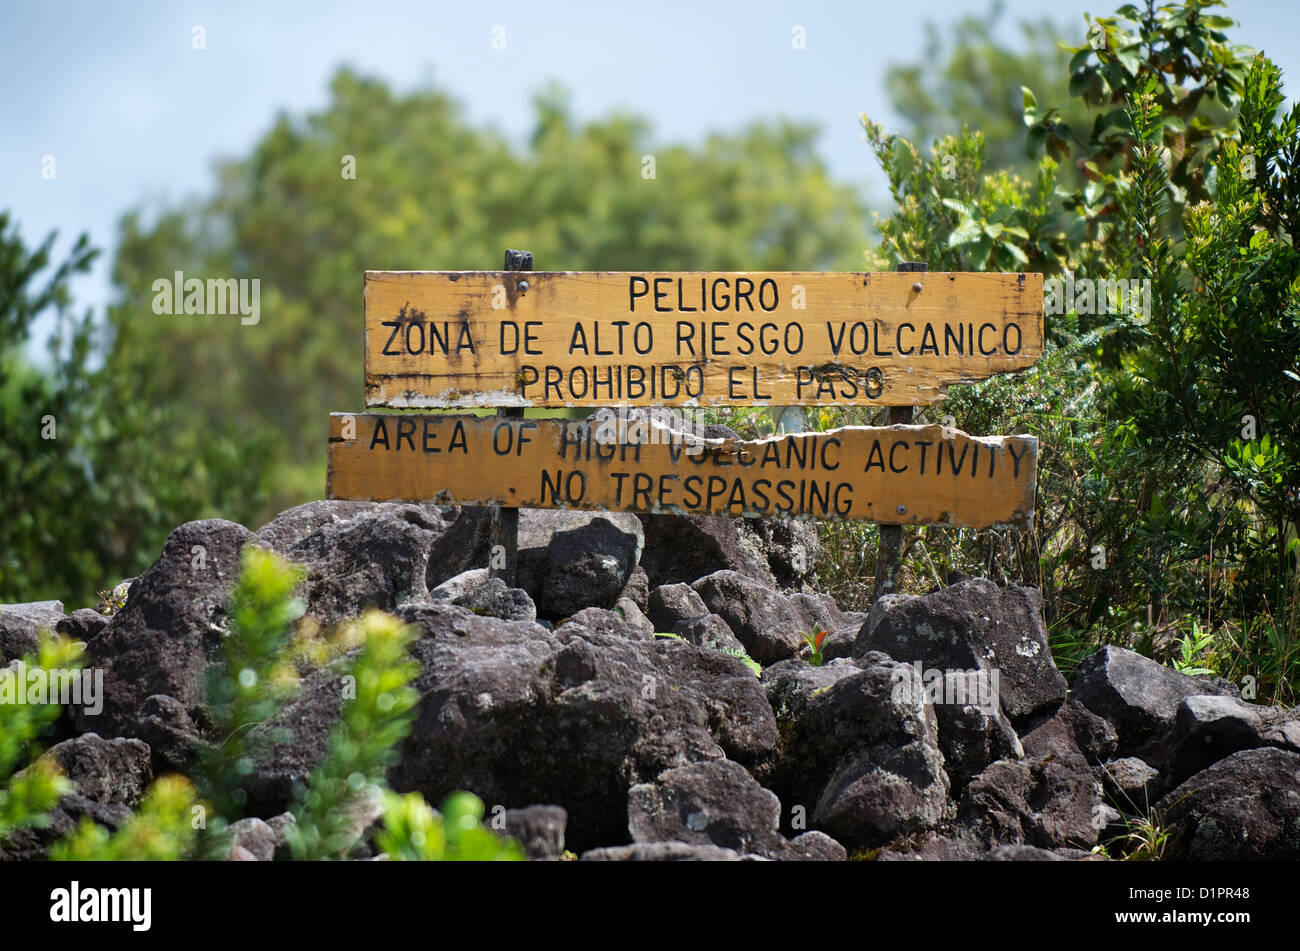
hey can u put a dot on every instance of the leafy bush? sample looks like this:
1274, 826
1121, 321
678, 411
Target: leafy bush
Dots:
1168, 466
363, 745
414, 833
27, 795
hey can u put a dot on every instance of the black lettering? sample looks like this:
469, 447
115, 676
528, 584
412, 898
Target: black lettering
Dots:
641, 486
744, 294
527, 377
681, 304
1015, 458
892, 449
416, 325
984, 327
929, 341
406, 430
397, 328
458, 440
875, 457
687, 338
632, 292
836, 343
554, 376
500, 428
661, 294
713, 339
691, 487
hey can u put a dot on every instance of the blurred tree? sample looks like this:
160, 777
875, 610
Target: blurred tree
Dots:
432, 191
970, 77
95, 470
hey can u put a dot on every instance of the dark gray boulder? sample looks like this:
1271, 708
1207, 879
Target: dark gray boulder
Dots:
82, 624
680, 549
860, 751
768, 623
1022, 853
790, 548
1050, 802
520, 715
173, 621
113, 772
663, 852
1208, 728
669, 604
539, 830
293, 525
375, 559
1076, 729
814, 846
1130, 783
1138, 695
466, 544
570, 560
478, 592
968, 626
715, 802
708, 630
637, 589
635, 628
1246, 807
21, 623
174, 739
971, 734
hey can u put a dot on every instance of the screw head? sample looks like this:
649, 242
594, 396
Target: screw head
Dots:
523, 285
917, 287
902, 510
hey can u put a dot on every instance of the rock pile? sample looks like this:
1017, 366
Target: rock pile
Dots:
939, 726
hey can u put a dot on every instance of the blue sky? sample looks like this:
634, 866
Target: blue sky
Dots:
135, 117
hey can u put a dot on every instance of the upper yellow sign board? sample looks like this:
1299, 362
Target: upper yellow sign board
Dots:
552, 339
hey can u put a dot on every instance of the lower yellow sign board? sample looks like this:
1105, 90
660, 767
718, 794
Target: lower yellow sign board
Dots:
893, 475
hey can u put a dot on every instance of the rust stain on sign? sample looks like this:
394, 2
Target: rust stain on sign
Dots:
552, 339
893, 475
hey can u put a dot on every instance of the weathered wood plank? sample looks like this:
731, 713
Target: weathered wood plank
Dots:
551, 339
893, 475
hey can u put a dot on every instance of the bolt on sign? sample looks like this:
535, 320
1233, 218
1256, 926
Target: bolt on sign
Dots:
893, 475
554, 339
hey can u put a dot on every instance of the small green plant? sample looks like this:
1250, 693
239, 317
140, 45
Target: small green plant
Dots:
162, 830
814, 641
1189, 646
413, 832
113, 600
676, 637
749, 662
363, 744
247, 687
27, 798
1144, 840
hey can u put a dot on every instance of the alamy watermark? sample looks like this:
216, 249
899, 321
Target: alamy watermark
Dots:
20, 684
215, 297
1100, 295
631, 425
975, 688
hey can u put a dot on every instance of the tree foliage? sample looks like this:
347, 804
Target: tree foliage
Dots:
433, 191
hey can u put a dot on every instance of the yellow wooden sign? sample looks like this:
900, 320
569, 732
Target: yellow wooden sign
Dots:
551, 339
893, 475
